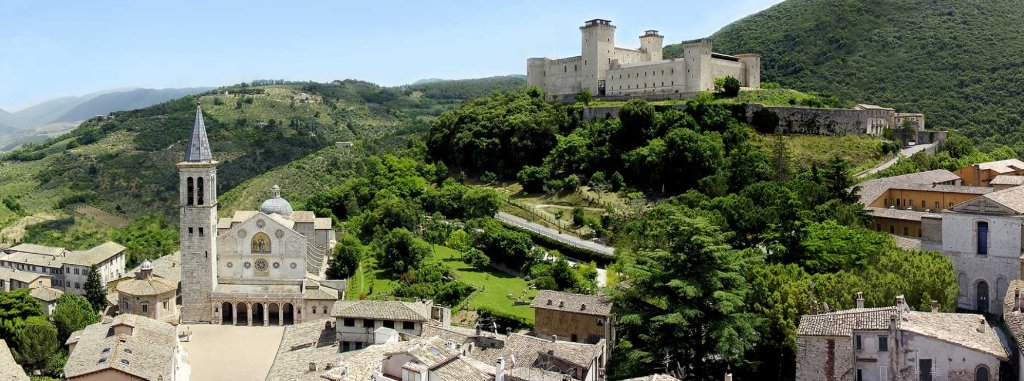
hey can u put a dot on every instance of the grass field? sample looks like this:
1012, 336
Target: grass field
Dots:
861, 152
492, 286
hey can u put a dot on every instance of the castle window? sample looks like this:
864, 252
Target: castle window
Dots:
199, 191
200, 232
565, 69
189, 235
982, 238
189, 184
260, 243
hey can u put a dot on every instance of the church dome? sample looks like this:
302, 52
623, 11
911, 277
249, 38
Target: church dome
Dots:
276, 204
146, 265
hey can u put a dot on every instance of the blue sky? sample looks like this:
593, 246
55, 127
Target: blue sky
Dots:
59, 48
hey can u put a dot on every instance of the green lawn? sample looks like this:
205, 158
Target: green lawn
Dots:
493, 286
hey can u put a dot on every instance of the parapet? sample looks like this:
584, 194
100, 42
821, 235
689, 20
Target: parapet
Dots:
651, 33
699, 41
596, 23
747, 54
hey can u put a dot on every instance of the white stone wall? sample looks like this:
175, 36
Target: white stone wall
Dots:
1001, 264
874, 364
824, 358
950, 362
358, 333
663, 77
288, 252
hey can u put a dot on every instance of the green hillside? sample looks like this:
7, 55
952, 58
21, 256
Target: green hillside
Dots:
127, 164
957, 61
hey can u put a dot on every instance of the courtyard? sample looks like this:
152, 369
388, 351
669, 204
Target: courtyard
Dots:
226, 352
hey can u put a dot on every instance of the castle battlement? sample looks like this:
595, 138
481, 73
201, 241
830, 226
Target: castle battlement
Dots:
611, 71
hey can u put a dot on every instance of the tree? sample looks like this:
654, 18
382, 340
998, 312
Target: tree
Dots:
686, 298
617, 181
731, 86
533, 178
637, 117
578, 216
480, 202
584, 97
958, 146
572, 183
476, 258
780, 158
72, 313
36, 342
838, 182
94, 290
401, 251
345, 259
15, 307
459, 240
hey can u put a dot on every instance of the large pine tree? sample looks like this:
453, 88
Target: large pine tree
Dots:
94, 290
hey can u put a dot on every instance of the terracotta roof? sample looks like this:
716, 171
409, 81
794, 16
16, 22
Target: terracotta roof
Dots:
1007, 180
46, 294
21, 276
151, 285
427, 354
35, 259
955, 328
871, 190
842, 323
149, 352
1002, 166
382, 310
527, 349
95, 255
577, 303
303, 216
10, 370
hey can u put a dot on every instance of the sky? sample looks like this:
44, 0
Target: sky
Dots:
50, 49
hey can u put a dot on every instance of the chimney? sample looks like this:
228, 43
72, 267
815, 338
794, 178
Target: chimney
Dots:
1016, 299
478, 329
312, 367
901, 302
860, 299
981, 324
554, 338
935, 306
499, 370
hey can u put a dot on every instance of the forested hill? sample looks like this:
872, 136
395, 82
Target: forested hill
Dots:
127, 163
957, 61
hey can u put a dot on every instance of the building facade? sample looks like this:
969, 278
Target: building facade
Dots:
982, 174
573, 317
895, 343
608, 70
264, 267
148, 295
356, 321
68, 269
126, 347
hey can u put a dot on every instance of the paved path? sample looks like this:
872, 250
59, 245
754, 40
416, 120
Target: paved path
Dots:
906, 152
227, 352
573, 241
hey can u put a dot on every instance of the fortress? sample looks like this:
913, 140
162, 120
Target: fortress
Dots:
611, 71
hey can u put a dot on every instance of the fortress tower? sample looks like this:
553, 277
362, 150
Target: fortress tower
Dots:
650, 44
598, 47
751, 69
198, 224
697, 54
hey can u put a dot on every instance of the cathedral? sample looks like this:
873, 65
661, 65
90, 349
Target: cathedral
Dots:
264, 267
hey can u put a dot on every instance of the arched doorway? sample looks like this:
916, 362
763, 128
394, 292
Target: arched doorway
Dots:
227, 313
982, 297
981, 374
243, 314
274, 311
257, 314
289, 314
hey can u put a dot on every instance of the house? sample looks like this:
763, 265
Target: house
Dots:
573, 317
68, 269
357, 320
148, 295
1013, 318
47, 297
982, 238
1006, 181
9, 369
982, 174
126, 347
898, 204
894, 343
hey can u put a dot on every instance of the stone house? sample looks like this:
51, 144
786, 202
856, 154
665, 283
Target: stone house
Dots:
982, 173
895, 343
573, 317
148, 295
69, 270
1013, 318
126, 347
47, 297
356, 321
982, 238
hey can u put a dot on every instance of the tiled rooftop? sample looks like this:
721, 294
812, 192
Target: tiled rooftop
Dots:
578, 303
148, 353
871, 190
10, 370
382, 310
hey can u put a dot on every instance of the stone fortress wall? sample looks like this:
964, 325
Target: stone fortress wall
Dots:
607, 70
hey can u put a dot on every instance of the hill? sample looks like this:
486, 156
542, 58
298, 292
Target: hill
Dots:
124, 100
956, 61
127, 163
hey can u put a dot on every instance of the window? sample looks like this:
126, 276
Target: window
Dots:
350, 322
408, 325
937, 205
77, 285
982, 238
860, 375
199, 191
981, 374
76, 271
191, 192
924, 370
200, 232
574, 338
892, 229
145, 308
368, 323
922, 205
910, 203
857, 343
906, 231
190, 232
600, 321
883, 343
388, 323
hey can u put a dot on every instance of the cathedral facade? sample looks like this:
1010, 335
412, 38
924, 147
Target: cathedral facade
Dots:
257, 267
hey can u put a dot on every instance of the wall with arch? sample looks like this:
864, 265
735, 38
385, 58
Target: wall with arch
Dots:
260, 249
1001, 263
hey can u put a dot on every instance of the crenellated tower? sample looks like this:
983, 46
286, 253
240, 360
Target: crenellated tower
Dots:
598, 42
198, 225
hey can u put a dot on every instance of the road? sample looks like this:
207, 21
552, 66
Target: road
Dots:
576, 242
906, 152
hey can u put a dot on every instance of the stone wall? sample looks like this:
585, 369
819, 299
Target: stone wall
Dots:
949, 361
567, 324
817, 121
995, 269
824, 358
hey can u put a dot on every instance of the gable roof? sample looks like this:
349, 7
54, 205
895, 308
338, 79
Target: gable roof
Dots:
871, 190
46, 294
95, 255
526, 350
9, 369
381, 309
38, 249
842, 323
955, 328
1002, 166
148, 353
1006, 201
1007, 180
577, 303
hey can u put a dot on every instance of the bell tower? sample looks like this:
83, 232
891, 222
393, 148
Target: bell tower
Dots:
198, 225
